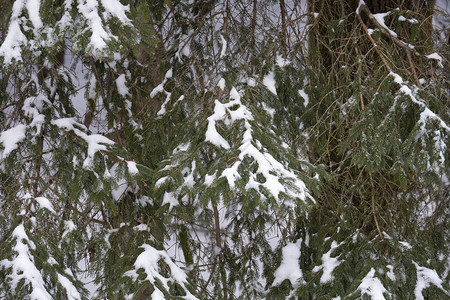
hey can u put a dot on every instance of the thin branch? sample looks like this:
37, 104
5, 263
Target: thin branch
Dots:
409, 49
373, 207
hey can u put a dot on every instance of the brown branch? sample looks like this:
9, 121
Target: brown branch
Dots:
374, 44
361, 99
219, 244
373, 207
283, 26
396, 40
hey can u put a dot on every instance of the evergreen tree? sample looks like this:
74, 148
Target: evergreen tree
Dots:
223, 150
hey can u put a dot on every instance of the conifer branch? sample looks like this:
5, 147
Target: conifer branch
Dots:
408, 48
373, 206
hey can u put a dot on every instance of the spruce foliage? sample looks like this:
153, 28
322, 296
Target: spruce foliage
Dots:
223, 150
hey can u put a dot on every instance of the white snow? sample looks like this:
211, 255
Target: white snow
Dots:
170, 199
23, 267
269, 110
211, 134
182, 147
95, 142
121, 86
45, 203
268, 166
380, 19
69, 226
10, 49
251, 81
132, 169
168, 74
72, 292
163, 106
10, 138
184, 48
99, 36
405, 245
425, 277
304, 96
269, 82
221, 84
161, 181
328, 264
149, 262
437, 57
426, 113
282, 62
121, 185
189, 180
116, 9
372, 286
412, 20
361, 2
390, 274
397, 78
31, 107
224, 46
289, 267
159, 88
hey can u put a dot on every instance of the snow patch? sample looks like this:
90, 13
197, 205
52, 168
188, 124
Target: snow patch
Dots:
328, 264
437, 57
169, 199
380, 19
113, 8
132, 169
426, 277
148, 260
282, 62
372, 286
224, 46
211, 134
45, 203
289, 267
269, 82
304, 96
10, 138
72, 292
121, 86
221, 84
23, 267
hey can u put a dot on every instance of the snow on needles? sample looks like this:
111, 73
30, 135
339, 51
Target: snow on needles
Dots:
426, 112
328, 264
99, 36
148, 260
269, 82
289, 267
10, 138
11, 46
372, 286
23, 267
29, 10
268, 166
45, 203
96, 142
212, 135
425, 277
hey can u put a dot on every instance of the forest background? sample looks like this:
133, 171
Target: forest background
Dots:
224, 149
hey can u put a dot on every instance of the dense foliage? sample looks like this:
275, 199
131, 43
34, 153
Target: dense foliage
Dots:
224, 150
